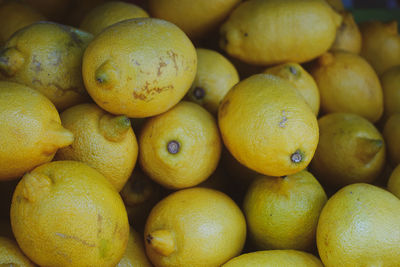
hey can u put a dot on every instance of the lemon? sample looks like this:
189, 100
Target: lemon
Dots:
196, 18
194, 227
47, 57
350, 150
15, 16
181, 147
348, 83
391, 133
394, 182
30, 131
381, 44
266, 32
348, 35
283, 212
214, 78
301, 80
360, 226
278, 132
11, 255
103, 141
139, 67
65, 213
110, 13
391, 95
135, 255
275, 258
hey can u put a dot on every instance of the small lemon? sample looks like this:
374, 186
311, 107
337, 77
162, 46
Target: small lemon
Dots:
391, 133
103, 141
30, 130
135, 255
301, 80
194, 227
47, 57
360, 226
11, 255
214, 78
275, 258
380, 44
139, 67
283, 212
277, 133
110, 13
65, 213
348, 83
181, 147
350, 150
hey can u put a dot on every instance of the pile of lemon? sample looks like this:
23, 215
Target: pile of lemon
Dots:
198, 133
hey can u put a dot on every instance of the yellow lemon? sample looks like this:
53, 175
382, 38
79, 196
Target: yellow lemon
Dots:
380, 44
275, 258
391, 94
394, 182
196, 18
110, 13
350, 150
15, 16
181, 147
65, 213
348, 35
391, 133
11, 255
301, 80
347, 83
360, 226
214, 78
103, 141
135, 255
30, 131
267, 126
194, 227
47, 57
283, 212
139, 67
266, 32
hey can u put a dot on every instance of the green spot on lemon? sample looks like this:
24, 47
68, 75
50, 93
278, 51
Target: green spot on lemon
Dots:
104, 247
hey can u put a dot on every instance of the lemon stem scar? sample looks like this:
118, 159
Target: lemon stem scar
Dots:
293, 70
199, 93
10, 61
114, 128
173, 147
161, 241
297, 156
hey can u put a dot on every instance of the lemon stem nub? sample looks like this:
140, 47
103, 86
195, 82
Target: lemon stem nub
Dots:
162, 241
296, 157
199, 93
114, 128
173, 147
10, 61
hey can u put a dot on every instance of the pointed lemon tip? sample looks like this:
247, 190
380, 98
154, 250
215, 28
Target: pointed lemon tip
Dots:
162, 242
114, 128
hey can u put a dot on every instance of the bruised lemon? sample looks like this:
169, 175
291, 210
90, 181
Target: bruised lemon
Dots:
65, 213
278, 132
266, 32
110, 13
31, 130
47, 57
139, 67
181, 147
